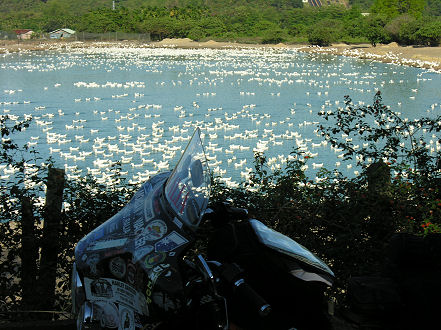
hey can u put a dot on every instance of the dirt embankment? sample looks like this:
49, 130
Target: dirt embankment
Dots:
422, 57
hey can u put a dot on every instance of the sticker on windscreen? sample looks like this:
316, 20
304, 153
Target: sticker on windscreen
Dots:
170, 242
155, 230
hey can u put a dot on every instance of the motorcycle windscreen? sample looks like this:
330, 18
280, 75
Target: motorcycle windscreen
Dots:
288, 246
188, 188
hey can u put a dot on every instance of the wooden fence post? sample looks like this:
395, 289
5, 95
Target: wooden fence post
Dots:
29, 254
378, 178
51, 230
378, 187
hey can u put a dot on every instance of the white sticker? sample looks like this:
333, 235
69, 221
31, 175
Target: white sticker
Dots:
92, 260
177, 222
106, 244
99, 289
114, 291
126, 224
171, 242
148, 213
157, 270
117, 267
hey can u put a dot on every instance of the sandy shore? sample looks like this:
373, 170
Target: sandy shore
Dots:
421, 57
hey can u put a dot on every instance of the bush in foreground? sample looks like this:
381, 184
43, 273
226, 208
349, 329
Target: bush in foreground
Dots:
345, 221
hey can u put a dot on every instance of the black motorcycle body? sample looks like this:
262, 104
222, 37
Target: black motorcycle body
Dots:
131, 271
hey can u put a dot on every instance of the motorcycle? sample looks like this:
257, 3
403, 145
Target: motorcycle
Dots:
133, 271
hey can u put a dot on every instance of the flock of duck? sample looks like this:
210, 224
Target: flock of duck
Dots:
93, 107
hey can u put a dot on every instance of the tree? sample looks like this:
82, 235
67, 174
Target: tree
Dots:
412, 7
320, 36
374, 30
55, 16
274, 36
394, 8
196, 33
393, 28
433, 8
326, 31
429, 34
408, 30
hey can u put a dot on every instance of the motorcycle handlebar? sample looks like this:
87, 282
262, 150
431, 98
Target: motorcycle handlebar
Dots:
247, 294
221, 213
237, 212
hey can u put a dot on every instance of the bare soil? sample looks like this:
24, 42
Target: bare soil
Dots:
421, 57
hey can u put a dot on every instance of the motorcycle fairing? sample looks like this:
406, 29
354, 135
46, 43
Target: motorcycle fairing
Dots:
116, 259
188, 187
120, 231
134, 254
308, 276
289, 247
117, 292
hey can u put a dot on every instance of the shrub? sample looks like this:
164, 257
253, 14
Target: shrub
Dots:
374, 30
354, 28
429, 34
330, 216
407, 34
196, 33
274, 36
296, 30
320, 36
325, 32
333, 215
393, 28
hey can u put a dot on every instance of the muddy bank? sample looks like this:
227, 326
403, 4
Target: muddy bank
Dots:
421, 57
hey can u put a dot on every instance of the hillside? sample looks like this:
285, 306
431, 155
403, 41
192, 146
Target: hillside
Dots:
246, 21
82, 6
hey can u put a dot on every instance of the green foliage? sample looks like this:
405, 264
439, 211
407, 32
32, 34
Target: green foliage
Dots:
399, 193
386, 136
332, 215
362, 4
408, 31
320, 35
424, 32
394, 8
106, 20
196, 33
433, 8
374, 30
256, 21
393, 28
429, 34
326, 31
412, 7
274, 36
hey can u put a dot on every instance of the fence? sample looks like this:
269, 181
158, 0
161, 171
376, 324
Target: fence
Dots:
8, 35
111, 36
85, 36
